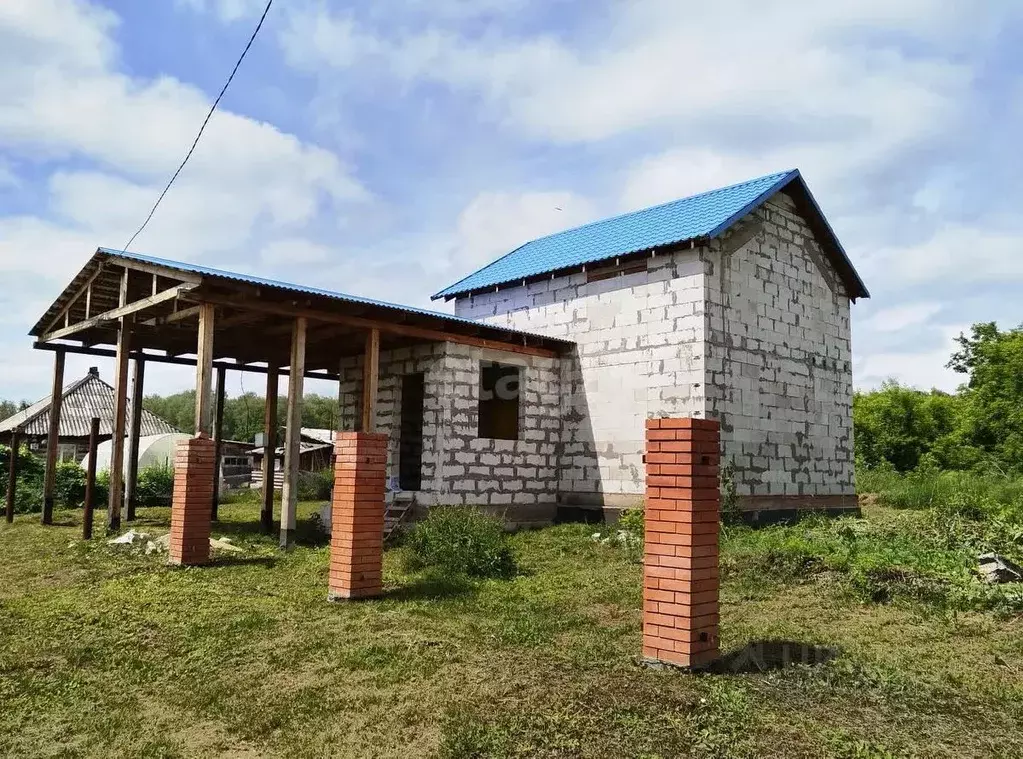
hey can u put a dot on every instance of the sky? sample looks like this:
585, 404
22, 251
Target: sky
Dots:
389, 149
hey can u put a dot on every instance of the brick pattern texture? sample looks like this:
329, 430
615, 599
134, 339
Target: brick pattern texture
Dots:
680, 563
357, 515
192, 503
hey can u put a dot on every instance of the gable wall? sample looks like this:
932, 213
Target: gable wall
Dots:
639, 352
779, 363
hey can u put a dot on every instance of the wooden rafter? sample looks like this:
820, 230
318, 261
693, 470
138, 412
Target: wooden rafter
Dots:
125, 309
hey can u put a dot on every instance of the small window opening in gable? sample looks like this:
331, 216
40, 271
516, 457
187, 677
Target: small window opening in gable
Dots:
499, 401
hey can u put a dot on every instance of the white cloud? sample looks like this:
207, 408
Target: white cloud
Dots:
898, 318
960, 253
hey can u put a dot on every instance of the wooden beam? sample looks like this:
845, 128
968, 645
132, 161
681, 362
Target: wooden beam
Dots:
266, 514
12, 475
85, 288
90, 479
163, 271
204, 372
158, 359
370, 381
124, 309
293, 434
405, 330
134, 434
178, 316
53, 436
117, 440
218, 436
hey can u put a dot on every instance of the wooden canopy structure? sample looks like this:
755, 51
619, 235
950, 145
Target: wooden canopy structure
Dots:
148, 310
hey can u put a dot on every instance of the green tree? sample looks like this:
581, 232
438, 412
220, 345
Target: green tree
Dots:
901, 426
993, 359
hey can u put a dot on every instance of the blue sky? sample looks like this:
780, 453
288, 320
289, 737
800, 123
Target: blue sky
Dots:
387, 149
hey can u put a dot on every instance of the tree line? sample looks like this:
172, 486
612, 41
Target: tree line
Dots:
243, 415
979, 427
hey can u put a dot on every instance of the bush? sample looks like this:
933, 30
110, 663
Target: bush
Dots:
155, 486
315, 486
69, 484
460, 540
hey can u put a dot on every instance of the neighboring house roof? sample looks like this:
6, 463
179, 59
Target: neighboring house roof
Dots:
82, 400
323, 436
304, 447
700, 217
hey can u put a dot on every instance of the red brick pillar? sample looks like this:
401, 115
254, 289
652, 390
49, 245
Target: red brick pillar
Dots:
192, 503
357, 515
680, 566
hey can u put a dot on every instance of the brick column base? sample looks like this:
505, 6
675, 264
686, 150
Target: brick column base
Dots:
192, 504
680, 565
357, 516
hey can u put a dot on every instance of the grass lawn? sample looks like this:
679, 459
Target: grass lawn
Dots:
110, 652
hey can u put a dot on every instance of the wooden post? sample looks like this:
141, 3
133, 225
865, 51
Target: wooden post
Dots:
293, 433
266, 514
53, 436
90, 480
370, 377
120, 411
12, 475
218, 436
134, 433
204, 371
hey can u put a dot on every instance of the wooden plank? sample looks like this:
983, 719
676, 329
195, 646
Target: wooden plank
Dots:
204, 372
293, 434
90, 480
218, 436
85, 288
266, 514
178, 316
134, 434
12, 475
53, 436
124, 309
392, 328
117, 441
162, 271
370, 381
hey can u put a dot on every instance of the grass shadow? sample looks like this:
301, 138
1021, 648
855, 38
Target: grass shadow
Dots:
432, 587
267, 562
768, 655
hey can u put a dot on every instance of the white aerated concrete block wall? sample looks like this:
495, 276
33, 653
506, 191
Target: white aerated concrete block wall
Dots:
514, 478
779, 362
752, 330
639, 352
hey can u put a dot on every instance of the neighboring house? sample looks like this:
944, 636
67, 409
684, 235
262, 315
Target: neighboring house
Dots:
82, 400
315, 451
733, 304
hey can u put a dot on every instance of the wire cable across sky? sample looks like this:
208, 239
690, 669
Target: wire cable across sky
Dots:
206, 121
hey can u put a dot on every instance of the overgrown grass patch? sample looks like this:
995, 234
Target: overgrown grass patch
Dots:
112, 653
923, 557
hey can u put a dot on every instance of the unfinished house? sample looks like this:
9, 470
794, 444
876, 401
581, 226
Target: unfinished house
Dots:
730, 305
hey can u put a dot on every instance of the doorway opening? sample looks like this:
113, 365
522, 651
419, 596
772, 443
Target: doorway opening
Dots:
410, 439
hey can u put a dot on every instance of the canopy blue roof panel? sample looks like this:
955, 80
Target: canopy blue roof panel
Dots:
700, 216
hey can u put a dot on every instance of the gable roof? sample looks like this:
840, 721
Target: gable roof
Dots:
82, 400
699, 217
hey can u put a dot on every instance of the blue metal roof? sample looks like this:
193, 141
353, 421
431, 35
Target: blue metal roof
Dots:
259, 281
705, 215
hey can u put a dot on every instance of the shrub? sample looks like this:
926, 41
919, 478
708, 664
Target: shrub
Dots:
315, 486
155, 485
460, 540
69, 484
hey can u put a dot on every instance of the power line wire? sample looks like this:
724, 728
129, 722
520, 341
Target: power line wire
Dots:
206, 121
